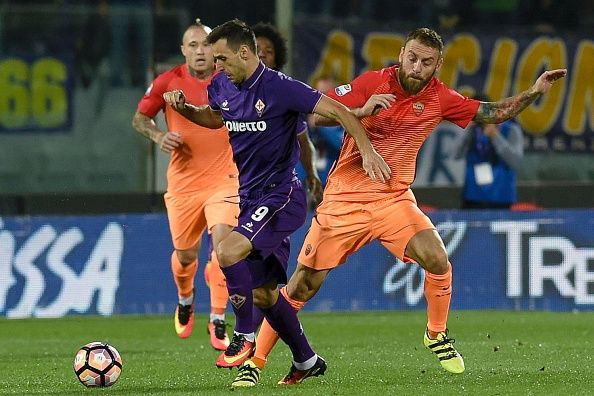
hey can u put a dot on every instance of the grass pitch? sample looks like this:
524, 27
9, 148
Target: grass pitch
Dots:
372, 353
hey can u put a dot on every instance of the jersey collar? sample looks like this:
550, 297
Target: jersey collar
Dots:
249, 83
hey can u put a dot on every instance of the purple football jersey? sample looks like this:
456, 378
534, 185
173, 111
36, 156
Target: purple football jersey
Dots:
302, 124
262, 116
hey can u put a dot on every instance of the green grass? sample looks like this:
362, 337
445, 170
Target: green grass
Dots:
373, 353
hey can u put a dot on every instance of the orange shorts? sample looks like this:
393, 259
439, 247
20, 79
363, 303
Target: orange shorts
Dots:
339, 229
190, 214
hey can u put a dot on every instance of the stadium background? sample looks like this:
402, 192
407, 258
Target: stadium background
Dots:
82, 228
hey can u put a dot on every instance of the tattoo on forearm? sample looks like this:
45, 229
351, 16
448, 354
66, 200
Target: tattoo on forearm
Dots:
496, 112
146, 127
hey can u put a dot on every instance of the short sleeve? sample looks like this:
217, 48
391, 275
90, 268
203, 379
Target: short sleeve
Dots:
356, 93
297, 95
152, 102
301, 124
457, 108
212, 94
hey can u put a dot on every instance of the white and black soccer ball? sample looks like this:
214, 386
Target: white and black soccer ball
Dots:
97, 364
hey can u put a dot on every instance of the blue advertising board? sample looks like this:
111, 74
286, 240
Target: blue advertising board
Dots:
55, 266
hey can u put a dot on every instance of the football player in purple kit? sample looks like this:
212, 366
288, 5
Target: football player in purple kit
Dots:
260, 108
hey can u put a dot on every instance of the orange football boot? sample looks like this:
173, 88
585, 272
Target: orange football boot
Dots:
238, 351
218, 334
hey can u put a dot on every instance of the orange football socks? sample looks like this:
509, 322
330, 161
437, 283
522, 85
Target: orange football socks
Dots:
183, 276
438, 292
217, 285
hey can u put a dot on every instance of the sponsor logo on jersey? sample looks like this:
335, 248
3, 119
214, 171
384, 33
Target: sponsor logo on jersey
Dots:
343, 89
418, 108
245, 126
225, 105
259, 107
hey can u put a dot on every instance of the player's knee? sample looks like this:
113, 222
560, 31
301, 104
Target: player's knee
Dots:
223, 257
230, 252
226, 255
436, 262
299, 292
186, 257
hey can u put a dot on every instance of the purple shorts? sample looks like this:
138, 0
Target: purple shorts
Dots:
267, 219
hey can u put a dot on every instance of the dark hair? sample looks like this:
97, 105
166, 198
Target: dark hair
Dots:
426, 36
236, 32
268, 31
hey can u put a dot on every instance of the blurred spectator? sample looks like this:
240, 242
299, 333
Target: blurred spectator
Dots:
496, 12
308, 8
493, 154
170, 21
93, 44
549, 16
446, 15
451, 15
354, 11
91, 54
132, 41
36, 30
587, 15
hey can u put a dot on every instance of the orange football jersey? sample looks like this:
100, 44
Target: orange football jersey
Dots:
396, 133
205, 159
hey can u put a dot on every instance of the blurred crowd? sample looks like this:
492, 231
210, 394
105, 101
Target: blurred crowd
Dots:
541, 15
132, 34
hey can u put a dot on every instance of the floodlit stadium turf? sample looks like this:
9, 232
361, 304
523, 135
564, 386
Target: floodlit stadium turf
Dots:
379, 353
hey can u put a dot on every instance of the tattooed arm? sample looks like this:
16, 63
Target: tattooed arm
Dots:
496, 112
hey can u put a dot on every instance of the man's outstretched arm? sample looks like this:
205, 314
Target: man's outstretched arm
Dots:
503, 110
374, 105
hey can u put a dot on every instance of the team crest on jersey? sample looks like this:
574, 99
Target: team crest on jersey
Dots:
343, 89
259, 107
237, 300
418, 108
308, 249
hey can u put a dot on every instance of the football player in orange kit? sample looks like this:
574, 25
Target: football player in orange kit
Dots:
202, 181
399, 106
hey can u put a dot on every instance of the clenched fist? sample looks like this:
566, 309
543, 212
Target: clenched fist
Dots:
175, 99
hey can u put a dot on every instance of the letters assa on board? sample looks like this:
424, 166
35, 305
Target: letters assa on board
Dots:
253, 126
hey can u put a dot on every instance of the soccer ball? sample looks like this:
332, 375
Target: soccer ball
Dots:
97, 364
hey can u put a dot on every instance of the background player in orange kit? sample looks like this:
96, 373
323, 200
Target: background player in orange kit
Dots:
399, 107
201, 181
